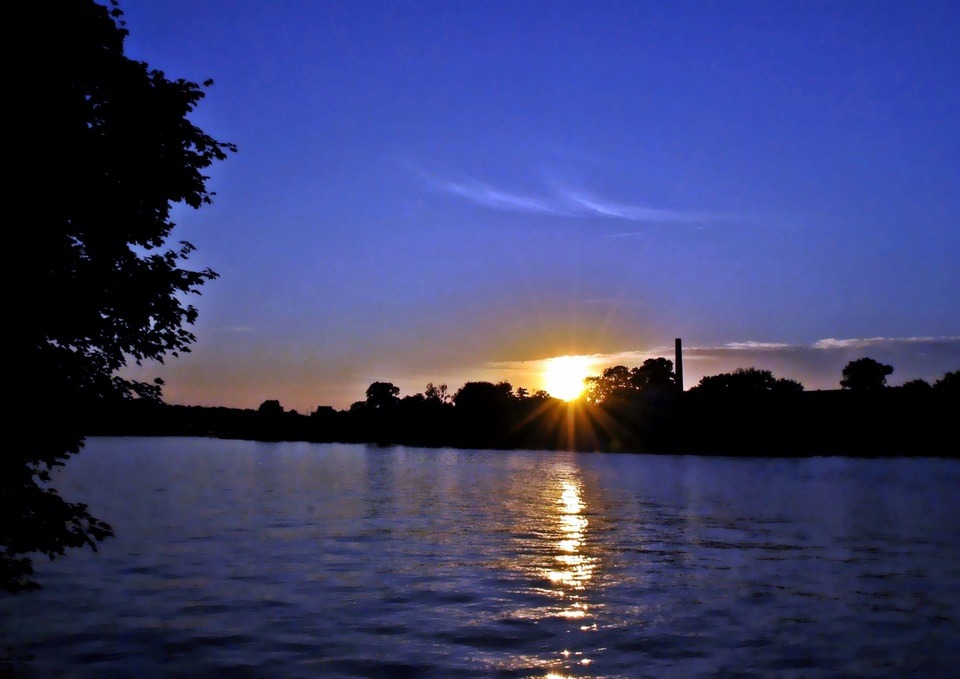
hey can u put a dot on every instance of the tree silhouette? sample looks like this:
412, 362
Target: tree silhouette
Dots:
865, 374
619, 383
745, 382
484, 413
270, 408
483, 396
948, 384
382, 395
612, 384
916, 387
437, 393
656, 373
115, 150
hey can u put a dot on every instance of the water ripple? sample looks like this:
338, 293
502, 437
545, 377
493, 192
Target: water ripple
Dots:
299, 560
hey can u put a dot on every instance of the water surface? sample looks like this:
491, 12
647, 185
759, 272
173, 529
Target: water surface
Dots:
252, 559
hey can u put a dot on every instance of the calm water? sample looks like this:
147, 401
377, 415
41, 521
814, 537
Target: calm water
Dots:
302, 560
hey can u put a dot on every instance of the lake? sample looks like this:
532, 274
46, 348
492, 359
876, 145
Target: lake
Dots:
246, 559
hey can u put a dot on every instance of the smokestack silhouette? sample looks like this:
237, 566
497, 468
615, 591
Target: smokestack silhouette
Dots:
678, 365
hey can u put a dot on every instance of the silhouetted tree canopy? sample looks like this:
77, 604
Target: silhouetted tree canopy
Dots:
612, 384
115, 151
746, 381
271, 407
619, 383
654, 373
746, 412
382, 395
437, 393
865, 374
483, 396
949, 383
916, 386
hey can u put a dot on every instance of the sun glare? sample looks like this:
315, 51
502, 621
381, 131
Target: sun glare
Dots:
563, 376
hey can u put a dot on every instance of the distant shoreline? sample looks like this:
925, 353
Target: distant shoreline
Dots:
886, 423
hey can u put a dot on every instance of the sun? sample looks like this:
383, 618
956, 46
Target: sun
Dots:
563, 376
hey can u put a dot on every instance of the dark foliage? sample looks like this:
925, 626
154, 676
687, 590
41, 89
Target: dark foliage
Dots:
865, 374
746, 381
949, 384
654, 373
271, 408
116, 151
620, 384
383, 396
765, 420
917, 387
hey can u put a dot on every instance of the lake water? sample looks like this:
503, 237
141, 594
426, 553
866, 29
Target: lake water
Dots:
248, 559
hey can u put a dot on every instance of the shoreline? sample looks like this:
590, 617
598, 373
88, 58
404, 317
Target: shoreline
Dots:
806, 424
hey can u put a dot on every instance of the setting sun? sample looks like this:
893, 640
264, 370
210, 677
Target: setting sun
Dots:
563, 376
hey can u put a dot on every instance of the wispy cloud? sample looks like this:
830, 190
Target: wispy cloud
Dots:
831, 343
563, 202
637, 213
497, 199
751, 345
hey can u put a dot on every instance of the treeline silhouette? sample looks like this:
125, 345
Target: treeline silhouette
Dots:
745, 412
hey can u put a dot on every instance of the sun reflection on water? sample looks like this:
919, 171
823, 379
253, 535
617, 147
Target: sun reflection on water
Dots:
558, 565
572, 567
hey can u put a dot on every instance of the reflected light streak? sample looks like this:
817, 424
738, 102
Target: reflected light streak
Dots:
575, 569
570, 498
562, 567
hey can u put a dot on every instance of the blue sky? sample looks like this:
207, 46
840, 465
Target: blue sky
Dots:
447, 191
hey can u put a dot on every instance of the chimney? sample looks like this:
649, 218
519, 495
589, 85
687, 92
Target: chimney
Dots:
678, 365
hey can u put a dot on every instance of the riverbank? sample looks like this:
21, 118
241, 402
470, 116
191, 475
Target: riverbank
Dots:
891, 422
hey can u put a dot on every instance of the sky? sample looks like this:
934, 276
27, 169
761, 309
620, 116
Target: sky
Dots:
454, 191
